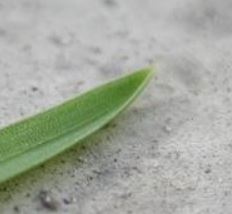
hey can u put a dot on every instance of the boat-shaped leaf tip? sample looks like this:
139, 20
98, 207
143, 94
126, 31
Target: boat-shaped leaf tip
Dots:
36, 139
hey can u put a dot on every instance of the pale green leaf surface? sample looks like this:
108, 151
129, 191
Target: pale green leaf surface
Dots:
30, 142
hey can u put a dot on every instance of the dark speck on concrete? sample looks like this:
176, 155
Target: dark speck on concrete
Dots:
28, 195
16, 209
208, 170
34, 88
61, 40
2, 32
95, 50
110, 3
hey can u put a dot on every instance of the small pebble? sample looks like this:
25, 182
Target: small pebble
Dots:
167, 129
70, 200
47, 201
61, 39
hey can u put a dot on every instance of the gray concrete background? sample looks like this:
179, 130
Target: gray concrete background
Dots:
171, 151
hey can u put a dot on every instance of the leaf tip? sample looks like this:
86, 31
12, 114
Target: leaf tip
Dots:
147, 73
150, 71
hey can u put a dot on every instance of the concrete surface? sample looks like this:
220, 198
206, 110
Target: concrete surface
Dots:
171, 151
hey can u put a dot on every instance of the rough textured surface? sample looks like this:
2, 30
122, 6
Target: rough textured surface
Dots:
170, 152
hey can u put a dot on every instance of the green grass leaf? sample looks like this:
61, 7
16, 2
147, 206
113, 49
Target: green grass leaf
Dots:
30, 142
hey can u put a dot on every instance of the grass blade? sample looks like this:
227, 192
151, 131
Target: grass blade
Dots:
30, 142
